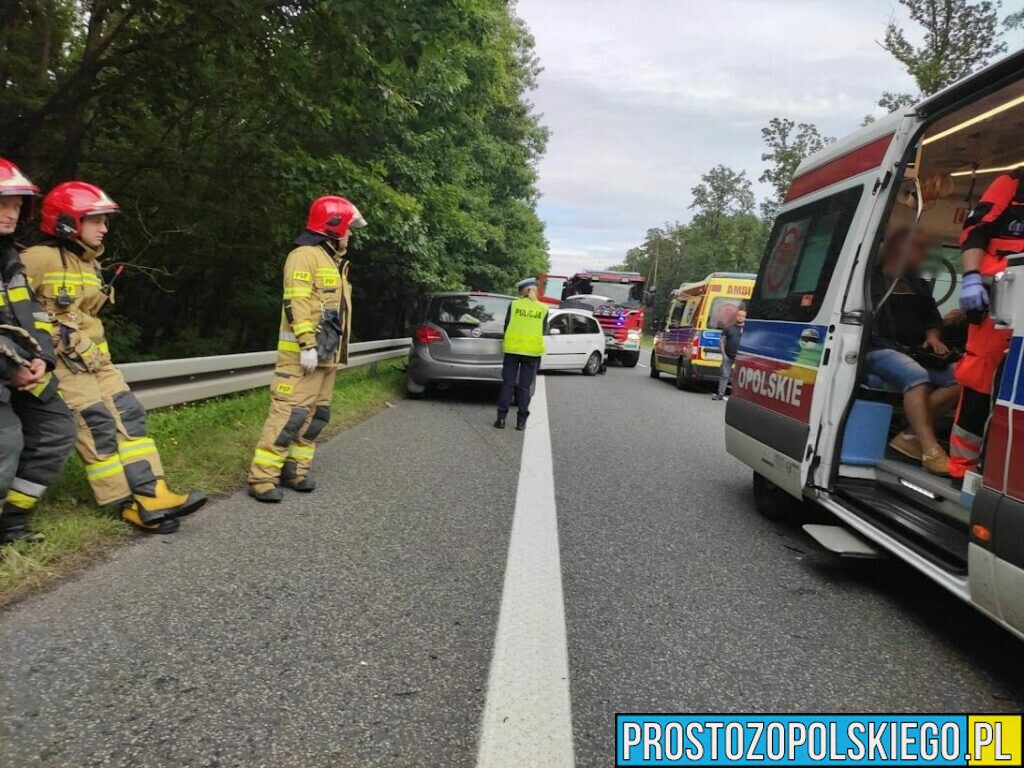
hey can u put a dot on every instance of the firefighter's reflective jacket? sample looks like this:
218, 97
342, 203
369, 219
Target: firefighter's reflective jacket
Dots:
315, 283
68, 282
25, 327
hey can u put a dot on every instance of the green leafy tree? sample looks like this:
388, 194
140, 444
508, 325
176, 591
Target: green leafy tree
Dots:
960, 36
788, 144
214, 124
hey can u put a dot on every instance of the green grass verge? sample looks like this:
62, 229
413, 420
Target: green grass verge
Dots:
204, 445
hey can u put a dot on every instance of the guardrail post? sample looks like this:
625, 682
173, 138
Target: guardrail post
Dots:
373, 367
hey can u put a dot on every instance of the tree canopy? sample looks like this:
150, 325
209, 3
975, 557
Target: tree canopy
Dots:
960, 36
215, 124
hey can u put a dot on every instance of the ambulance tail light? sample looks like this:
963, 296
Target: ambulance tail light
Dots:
425, 334
695, 347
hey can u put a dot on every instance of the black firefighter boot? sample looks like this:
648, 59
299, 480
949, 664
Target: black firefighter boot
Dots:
500, 421
520, 422
14, 526
290, 480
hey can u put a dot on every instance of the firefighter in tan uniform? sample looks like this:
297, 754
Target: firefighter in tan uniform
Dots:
122, 462
316, 324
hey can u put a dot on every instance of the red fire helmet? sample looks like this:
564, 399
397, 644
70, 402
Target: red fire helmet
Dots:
66, 204
332, 216
13, 182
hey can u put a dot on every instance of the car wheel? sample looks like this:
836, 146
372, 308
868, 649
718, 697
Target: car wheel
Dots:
775, 504
655, 373
681, 380
630, 359
593, 364
414, 390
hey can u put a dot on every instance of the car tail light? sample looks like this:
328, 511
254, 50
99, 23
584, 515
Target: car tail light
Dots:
695, 343
424, 334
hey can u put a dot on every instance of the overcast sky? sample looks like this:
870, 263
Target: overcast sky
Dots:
643, 96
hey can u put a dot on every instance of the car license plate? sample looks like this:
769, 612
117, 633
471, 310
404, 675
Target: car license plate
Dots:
712, 355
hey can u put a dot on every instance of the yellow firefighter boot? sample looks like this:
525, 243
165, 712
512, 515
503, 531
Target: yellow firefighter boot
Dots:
131, 513
165, 504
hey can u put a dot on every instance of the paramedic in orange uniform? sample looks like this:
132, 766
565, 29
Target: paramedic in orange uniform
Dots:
994, 230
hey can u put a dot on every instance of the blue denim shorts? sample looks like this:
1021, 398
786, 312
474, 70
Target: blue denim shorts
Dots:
902, 372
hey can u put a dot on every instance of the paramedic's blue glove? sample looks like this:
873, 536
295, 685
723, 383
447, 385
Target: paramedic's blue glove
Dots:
973, 294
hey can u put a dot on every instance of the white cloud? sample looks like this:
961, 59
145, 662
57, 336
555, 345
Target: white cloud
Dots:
642, 97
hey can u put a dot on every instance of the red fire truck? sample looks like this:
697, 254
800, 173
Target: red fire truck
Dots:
617, 299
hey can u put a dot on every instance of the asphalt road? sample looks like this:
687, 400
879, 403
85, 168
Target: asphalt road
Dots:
355, 627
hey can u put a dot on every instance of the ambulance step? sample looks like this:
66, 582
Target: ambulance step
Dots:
934, 536
843, 542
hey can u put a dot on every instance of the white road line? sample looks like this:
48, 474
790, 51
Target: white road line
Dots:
527, 718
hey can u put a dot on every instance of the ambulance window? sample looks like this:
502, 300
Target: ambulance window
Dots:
677, 314
801, 257
691, 306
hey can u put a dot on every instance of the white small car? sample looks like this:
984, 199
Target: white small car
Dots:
573, 341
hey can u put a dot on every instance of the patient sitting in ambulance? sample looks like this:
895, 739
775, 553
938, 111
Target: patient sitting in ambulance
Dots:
907, 351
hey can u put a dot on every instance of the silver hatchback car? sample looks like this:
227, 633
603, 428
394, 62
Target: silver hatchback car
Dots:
458, 340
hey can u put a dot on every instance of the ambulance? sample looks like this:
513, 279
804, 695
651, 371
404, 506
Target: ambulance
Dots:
804, 416
688, 347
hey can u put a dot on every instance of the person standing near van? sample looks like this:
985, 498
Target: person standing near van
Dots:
729, 344
121, 460
37, 431
316, 323
524, 347
994, 229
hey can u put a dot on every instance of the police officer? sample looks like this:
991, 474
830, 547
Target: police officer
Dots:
37, 431
994, 229
122, 462
523, 346
316, 324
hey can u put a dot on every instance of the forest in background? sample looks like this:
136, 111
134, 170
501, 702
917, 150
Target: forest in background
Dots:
213, 124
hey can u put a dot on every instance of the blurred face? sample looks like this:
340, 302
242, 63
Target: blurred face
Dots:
94, 229
911, 251
10, 210
741, 316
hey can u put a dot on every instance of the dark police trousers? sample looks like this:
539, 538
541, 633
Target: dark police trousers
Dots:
36, 437
517, 371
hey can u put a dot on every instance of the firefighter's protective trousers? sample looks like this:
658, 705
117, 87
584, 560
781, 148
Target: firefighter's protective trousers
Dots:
120, 457
315, 282
995, 226
37, 434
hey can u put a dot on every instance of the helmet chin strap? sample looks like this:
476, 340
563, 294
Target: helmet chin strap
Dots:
336, 246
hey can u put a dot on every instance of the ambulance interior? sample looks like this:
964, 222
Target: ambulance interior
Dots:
956, 159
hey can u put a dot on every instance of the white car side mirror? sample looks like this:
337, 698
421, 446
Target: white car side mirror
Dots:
554, 332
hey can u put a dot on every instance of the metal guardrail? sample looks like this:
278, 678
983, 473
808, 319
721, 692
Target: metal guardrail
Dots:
173, 382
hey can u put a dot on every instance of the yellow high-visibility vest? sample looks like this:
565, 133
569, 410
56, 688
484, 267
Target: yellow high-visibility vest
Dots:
525, 332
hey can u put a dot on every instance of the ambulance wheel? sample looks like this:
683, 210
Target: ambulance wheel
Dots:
655, 373
681, 381
593, 364
775, 504
630, 359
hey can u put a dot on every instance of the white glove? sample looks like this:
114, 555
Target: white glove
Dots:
308, 360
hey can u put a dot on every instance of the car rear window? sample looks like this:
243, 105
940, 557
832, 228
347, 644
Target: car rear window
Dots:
723, 311
473, 316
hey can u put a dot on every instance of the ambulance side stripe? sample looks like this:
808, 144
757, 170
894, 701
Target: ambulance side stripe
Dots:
853, 163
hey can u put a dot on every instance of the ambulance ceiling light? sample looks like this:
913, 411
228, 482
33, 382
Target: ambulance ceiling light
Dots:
975, 120
979, 171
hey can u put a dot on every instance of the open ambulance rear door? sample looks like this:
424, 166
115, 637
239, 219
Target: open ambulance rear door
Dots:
799, 352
